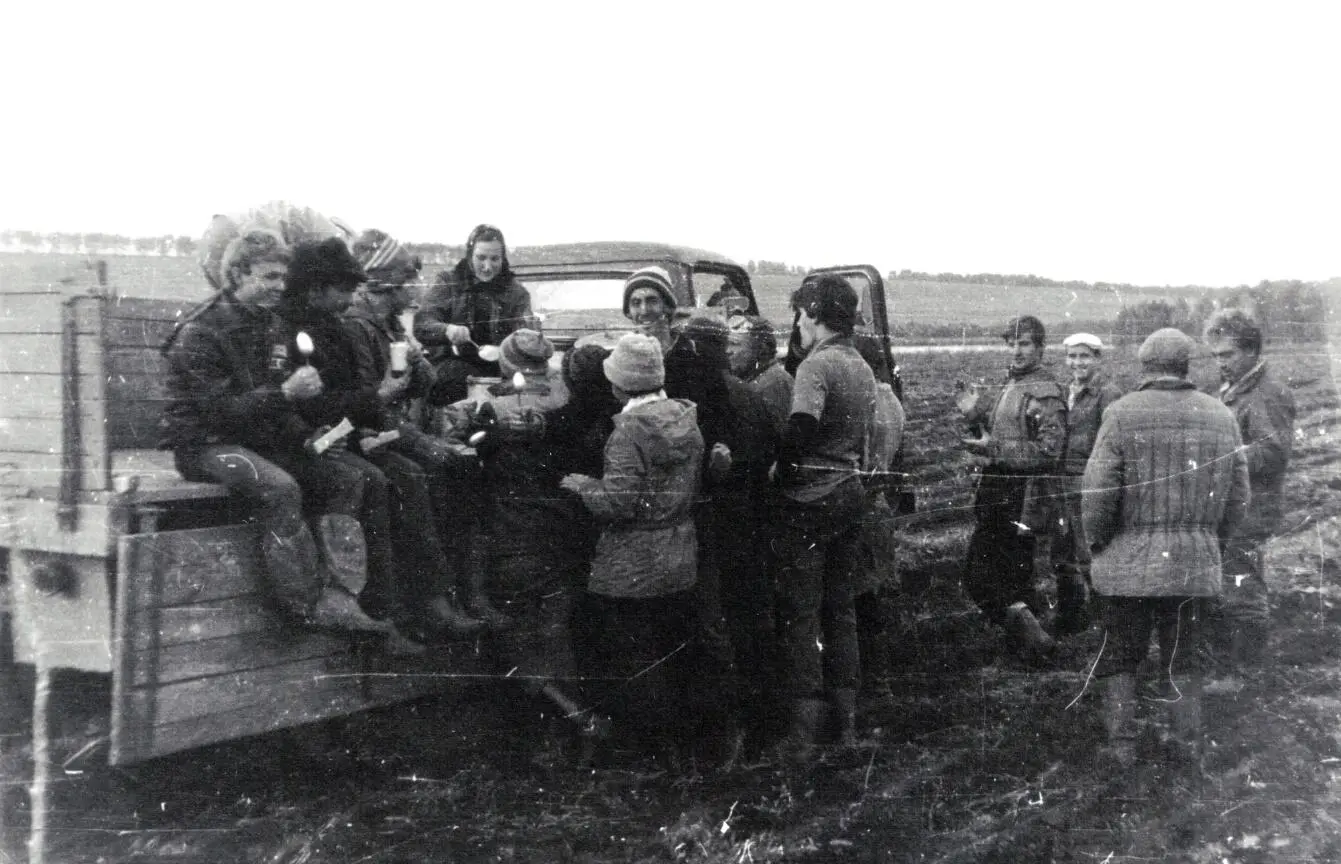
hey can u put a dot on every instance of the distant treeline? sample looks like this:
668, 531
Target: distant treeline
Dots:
1032, 281
166, 245
1288, 310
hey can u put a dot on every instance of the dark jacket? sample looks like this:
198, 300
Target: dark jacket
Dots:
344, 394
644, 500
492, 310
1027, 420
1165, 488
371, 336
1083, 416
1264, 408
226, 362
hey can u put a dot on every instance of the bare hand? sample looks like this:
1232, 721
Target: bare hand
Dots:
392, 387
719, 460
305, 383
575, 482
968, 398
458, 334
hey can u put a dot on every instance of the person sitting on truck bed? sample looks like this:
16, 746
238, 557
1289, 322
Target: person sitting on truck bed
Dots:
427, 475
406, 563
232, 419
477, 302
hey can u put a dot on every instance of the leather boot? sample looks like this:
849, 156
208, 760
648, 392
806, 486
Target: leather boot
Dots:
798, 746
294, 571
845, 718
1119, 716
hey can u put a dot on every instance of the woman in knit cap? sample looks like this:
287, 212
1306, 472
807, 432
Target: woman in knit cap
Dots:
639, 602
478, 302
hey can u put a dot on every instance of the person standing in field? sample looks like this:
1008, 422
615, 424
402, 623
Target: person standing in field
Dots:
1264, 408
817, 516
1163, 492
1087, 397
1023, 433
638, 612
753, 349
478, 302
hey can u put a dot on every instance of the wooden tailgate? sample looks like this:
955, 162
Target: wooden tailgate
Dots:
200, 655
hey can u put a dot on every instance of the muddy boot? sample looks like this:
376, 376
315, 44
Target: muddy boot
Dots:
474, 581
1184, 711
797, 748
1026, 635
876, 705
443, 620
1231, 681
293, 569
1119, 716
844, 718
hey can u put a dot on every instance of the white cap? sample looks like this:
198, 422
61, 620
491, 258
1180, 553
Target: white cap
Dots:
1089, 340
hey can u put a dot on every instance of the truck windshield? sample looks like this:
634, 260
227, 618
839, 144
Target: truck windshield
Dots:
553, 295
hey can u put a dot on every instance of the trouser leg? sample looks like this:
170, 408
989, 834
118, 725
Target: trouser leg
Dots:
292, 568
1244, 611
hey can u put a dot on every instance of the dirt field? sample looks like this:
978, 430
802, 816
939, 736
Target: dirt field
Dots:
991, 761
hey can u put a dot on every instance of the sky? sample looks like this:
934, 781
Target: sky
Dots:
1151, 143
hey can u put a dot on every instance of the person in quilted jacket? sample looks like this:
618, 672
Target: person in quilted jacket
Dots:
1164, 490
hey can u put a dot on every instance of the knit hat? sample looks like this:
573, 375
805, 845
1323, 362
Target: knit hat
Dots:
386, 261
1025, 326
635, 366
1166, 347
327, 262
526, 351
1089, 340
651, 277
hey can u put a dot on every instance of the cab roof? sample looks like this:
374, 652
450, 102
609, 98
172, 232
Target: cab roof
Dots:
612, 252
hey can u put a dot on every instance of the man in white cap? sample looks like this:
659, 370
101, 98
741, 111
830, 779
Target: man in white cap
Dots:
1088, 394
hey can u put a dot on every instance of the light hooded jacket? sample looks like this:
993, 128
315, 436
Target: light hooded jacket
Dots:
1164, 489
644, 501
1264, 408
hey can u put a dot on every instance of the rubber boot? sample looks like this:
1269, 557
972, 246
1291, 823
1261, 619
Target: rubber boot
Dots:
294, 570
345, 561
798, 746
1026, 634
473, 580
876, 704
1184, 712
844, 703
1119, 716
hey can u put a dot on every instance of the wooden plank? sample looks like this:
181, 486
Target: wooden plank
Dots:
138, 333
202, 697
133, 424
150, 308
69, 631
177, 568
200, 622
30, 524
30, 313
38, 394
278, 643
38, 352
21, 471
128, 362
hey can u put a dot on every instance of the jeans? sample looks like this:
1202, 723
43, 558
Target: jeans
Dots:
814, 547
